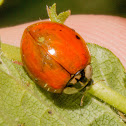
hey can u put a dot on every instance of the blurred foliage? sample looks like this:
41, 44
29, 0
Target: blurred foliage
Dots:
1, 2
13, 12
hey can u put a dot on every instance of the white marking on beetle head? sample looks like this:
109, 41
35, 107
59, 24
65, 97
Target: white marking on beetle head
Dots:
73, 81
88, 72
78, 76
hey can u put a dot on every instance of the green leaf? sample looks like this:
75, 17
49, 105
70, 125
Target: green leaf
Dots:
1, 2
109, 71
11, 52
107, 67
125, 79
57, 18
23, 102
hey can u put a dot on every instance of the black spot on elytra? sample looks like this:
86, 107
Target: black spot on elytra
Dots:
77, 37
60, 30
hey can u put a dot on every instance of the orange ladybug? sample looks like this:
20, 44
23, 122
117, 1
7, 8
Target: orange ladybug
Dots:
55, 57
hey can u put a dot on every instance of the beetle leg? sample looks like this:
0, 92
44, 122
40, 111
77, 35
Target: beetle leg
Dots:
81, 103
83, 84
70, 90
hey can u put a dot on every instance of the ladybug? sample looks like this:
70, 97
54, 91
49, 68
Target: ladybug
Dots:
56, 57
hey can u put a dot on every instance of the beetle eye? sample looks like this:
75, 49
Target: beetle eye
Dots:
76, 77
81, 76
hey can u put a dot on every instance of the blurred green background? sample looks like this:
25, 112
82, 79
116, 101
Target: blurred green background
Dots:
13, 12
